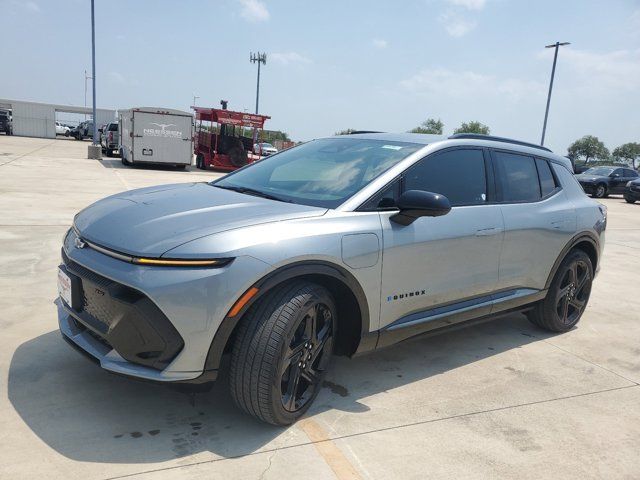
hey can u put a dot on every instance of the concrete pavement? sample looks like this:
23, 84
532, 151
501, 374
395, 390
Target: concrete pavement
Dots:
498, 400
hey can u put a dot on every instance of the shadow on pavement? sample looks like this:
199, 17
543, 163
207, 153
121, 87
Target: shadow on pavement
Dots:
89, 415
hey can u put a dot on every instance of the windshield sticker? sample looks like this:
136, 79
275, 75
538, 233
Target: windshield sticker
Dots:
392, 147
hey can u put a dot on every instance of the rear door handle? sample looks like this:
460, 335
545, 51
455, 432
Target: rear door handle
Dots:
486, 232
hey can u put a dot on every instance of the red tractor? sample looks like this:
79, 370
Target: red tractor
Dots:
222, 138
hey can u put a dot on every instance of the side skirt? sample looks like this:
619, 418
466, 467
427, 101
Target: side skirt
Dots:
458, 315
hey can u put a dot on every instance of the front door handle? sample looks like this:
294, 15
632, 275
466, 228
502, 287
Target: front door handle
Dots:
486, 232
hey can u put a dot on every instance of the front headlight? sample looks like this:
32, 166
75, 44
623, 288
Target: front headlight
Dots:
629, 183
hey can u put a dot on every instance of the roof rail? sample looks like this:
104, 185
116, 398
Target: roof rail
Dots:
358, 132
477, 136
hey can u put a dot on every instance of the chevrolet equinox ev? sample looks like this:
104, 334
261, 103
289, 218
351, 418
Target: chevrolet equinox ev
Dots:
341, 245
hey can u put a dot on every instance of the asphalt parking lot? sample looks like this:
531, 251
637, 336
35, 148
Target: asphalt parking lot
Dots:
497, 400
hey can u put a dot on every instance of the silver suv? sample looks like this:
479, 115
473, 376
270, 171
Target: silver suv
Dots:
341, 245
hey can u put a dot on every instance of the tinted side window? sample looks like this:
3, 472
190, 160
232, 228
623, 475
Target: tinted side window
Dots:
547, 182
518, 177
458, 174
630, 173
618, 171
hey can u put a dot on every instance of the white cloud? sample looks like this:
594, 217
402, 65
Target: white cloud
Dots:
456, 25
286, 58
441, 82
32, 7
254, 11
379, 43
469, 4
619, 69
117, 77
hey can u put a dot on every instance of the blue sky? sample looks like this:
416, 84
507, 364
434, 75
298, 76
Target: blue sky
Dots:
383, 65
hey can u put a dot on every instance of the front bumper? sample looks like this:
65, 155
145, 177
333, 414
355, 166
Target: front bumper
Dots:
632, 192
152, 323
588, 188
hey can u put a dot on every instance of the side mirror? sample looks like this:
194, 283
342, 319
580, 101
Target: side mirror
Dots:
414, 204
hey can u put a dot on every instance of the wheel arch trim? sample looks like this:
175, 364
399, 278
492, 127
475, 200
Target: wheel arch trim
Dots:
276, 277
581, 237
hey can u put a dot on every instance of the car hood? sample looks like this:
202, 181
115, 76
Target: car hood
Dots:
151, 221
588, 178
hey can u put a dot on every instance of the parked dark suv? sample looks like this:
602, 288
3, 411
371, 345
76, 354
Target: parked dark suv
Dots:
602, 181
632, 191
6, 124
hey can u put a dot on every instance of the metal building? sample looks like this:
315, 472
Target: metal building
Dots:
32, 119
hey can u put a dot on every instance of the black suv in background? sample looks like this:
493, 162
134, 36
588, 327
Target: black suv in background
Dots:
632, 191
602, 181
6, 124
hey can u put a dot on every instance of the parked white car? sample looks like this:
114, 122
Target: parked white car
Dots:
264, 149
62, 129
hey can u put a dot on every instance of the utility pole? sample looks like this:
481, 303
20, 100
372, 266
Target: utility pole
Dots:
195, 97
258, 58
556, 45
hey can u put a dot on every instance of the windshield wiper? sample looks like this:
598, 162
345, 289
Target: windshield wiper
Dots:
251, 191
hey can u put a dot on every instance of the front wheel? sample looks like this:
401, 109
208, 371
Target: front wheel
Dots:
629, 199
568, 294
282, 351
601, 191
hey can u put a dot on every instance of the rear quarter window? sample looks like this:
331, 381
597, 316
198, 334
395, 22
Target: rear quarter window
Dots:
517, 177
547, 182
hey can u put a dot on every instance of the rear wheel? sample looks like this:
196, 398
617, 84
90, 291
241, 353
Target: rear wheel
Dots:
568, 294
629, 199
281, 352
601, 191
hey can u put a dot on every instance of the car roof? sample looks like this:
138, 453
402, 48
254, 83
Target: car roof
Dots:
499, 143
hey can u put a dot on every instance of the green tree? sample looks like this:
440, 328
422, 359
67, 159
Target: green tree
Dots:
430, 125
273, 135
473, 127
629, 152
348, 131
588, 148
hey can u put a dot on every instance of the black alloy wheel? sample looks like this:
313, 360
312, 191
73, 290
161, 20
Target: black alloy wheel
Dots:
567, 296
282, 350
601, 191
307, 357
573, 291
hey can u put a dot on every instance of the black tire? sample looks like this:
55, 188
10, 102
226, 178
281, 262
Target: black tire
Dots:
629, 199
279, 358
180, 167
568, 294
237, 154
200, 162
600, 191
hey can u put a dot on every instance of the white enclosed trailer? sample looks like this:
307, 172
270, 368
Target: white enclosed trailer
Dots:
156, 135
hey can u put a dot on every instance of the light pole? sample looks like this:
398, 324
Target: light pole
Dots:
195, 97
258, 58
86, 77
556, 45
94, 150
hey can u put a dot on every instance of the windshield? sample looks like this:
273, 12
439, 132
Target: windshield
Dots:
266, 145
113, 127
604, 171
321, 173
